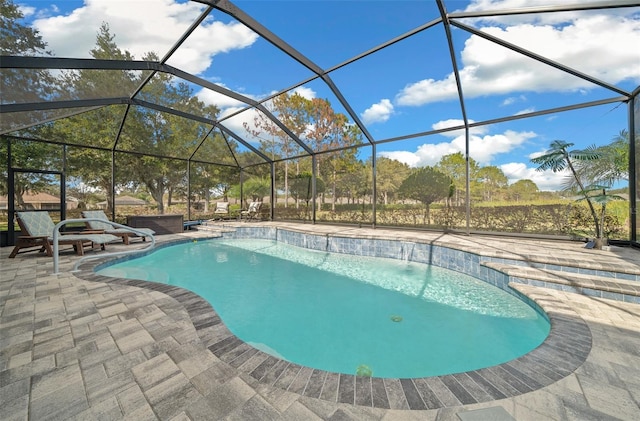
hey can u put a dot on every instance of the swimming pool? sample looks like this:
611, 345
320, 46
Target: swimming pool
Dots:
348, 314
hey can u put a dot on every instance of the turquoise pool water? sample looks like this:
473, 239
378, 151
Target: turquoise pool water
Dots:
341, 312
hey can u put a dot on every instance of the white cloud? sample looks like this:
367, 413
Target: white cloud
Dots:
483, 148
378, 113
305, 92
26, 10
452, 122
513, 100
409, 158
543, 18
237, 122
196, 54
229, 106
221, 101
427, 91
533, 155
545, 180
143, 26
526, 111
489, 69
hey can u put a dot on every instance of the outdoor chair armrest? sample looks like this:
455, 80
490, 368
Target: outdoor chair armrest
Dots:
33, 237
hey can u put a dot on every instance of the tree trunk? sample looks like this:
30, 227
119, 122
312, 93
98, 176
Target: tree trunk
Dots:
286, 183
333, 200
207, 196
19, 200
157, 192
599, 242
586, 196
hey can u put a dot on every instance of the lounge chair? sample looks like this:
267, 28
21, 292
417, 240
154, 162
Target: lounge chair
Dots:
222, 210
251, 212
110, 229
37, 231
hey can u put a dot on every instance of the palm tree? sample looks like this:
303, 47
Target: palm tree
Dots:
558, 158
598, 194
613, 164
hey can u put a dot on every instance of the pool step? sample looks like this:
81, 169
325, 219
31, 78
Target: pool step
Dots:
205, 227
593, 285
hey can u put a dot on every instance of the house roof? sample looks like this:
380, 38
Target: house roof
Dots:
40, 197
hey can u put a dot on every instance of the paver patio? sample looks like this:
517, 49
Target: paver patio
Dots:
73, 348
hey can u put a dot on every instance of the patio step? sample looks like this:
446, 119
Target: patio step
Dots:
594, 285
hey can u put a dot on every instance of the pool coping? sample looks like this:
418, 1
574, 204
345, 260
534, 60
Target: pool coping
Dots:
561, 353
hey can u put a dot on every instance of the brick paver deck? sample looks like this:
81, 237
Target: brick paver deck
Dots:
73, 348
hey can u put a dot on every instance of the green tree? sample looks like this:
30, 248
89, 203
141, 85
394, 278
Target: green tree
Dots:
491, 180
274, 142
257, 188
26, 85
97, 127
301, 188
390, 174
21, 85
316, 123
151, 132
455, 166
523, 190
28, 155
342, 162
209, 180
559, 158
329, 133
611, 166
356, 184
426, 185
598, 194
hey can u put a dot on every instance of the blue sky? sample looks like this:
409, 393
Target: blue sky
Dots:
404, 89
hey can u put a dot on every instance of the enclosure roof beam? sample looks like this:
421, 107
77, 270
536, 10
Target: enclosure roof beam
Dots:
510, 118
47, 120
386, 44
98, 102
246, 144
55, 105
18, 62
257, 27
163, 109
226, 141
109, 149
540, 58
596, 103
173, 49
71, 63
545, 9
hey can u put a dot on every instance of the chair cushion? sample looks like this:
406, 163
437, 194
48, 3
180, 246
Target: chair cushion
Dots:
106, 226
37, 224
222, 207
40, 224
147, 231
97, 225
94, 238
